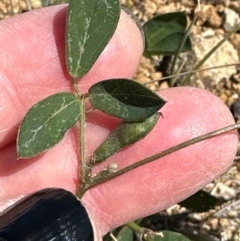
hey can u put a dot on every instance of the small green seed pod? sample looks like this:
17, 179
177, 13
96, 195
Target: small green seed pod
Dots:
125, 134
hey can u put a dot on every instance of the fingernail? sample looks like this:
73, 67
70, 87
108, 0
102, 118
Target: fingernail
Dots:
34, 218
136, 20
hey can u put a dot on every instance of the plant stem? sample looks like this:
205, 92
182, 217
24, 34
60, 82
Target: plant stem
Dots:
75, 86
193, 72
106, 176
173, 72
135, 227
84, 166
146, 233
83, 163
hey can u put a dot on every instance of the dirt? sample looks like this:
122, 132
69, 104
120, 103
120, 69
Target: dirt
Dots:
215, 20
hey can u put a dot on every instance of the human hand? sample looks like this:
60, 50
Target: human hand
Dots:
32, 67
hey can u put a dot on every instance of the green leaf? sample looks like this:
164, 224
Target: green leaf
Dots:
125, 99
45, 124
171, 236
165, 33
201, 201
125, 234
125, 134
90, 26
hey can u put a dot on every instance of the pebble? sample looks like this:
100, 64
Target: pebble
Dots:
235, 41
221, 190
214, 19
151, 7
164, 85
231, 19
214, 223
232, 214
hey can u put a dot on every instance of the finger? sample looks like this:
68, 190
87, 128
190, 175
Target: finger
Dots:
32, 63
57, 167
188, 113
153, 187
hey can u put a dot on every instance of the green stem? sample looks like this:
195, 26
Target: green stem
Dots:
147, 234
179, 50
105, 176
75, 86
82, 122
135, 227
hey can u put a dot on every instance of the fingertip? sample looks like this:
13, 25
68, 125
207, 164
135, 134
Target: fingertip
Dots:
188, 113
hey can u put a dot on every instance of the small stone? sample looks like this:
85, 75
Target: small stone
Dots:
164, 85
232, 214
141, 78
231, 19
235, 41
238, 177
234, 5
152, 87
219, 32
189, 4
206, 227
202, 15
196, 217
209, 32
214, 19
224, 222
214, 223
151, 7
156, 75
221, 190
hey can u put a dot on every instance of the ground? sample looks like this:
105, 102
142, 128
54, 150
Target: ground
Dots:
215, 19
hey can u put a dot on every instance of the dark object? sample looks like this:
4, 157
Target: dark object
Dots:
49, 214
200, 201
235, 109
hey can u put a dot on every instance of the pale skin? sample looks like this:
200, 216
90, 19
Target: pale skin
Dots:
32, 66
